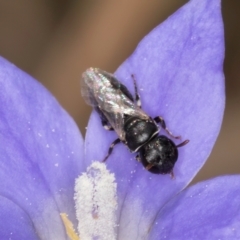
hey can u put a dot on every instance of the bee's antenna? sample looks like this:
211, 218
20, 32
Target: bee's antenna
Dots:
183, 143
172, 175
149, 166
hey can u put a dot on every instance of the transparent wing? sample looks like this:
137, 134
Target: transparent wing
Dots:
87, 92
103, 90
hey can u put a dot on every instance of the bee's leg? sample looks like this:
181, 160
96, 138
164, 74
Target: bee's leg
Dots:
161, 121
115, 142
138, 158
104, 120
107, 126
137, 96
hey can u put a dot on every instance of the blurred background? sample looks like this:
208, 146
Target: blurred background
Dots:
56, 40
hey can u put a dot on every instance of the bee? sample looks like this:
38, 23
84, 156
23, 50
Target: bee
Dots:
118, 111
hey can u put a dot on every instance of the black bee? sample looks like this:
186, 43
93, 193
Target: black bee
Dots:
139, 132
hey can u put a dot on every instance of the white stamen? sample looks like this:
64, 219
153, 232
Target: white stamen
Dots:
96, 203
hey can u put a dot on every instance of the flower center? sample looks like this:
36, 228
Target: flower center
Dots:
96, 204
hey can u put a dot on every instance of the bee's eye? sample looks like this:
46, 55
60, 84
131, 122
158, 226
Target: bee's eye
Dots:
160, 154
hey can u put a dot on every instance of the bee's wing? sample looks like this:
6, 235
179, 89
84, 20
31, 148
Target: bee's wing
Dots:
101, 89
117, 108
87, 92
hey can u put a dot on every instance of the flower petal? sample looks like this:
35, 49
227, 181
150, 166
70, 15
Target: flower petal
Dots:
15, 223
208, 210
178, 66
40, 149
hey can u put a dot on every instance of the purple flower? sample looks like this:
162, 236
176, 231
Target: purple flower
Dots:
178, 67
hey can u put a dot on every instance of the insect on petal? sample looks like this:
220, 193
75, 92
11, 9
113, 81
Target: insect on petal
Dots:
178, 68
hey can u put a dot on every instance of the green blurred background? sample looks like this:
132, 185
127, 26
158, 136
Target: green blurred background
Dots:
56, 40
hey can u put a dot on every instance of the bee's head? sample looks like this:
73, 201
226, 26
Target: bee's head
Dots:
159, 155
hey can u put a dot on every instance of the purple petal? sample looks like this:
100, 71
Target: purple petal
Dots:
40, 149
15, 223
178, 66
208, 210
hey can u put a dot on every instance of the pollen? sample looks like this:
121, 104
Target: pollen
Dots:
96, 203
69, 227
